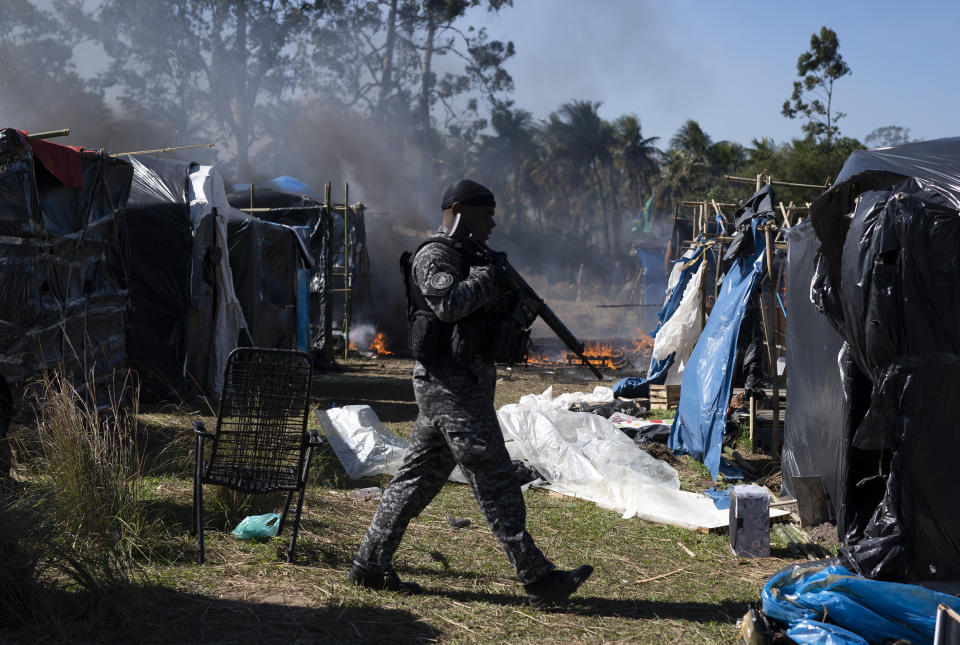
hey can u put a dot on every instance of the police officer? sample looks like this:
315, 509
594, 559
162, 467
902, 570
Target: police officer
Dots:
452, 298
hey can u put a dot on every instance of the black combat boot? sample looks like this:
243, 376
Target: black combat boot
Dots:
388, 580
556, 586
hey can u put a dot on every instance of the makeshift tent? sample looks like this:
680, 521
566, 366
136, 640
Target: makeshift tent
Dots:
815, 407
63, 286
700, 423
184, 317
888, 281
289, 201
270, 264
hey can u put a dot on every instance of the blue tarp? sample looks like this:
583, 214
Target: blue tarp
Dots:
873, 610
705, 391
634, 387
284, 184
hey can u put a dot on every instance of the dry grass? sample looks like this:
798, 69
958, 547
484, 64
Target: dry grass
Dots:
646, 588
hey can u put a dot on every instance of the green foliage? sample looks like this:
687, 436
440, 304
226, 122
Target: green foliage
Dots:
812, 96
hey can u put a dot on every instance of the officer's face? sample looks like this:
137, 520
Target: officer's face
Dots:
479, 219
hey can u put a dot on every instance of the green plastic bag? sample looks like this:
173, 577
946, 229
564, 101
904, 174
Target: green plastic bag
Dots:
258, 527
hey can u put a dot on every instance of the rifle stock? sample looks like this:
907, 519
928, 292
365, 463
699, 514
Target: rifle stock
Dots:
544, 311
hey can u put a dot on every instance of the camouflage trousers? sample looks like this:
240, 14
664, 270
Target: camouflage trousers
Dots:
457, 425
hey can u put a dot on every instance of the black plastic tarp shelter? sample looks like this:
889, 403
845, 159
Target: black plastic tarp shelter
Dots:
63, 290
184, 317
888, 280
815, 407
63, 287
270, 265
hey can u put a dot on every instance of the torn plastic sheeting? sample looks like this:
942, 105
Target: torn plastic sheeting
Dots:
874, 610
682, 271
680, 332
363, 444
705, 395
584, 455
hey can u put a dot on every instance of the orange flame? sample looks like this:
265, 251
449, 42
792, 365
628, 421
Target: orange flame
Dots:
351, 345
643, 343
379, 344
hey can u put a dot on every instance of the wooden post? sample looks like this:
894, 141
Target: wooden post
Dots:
753, 417
328, 278
772, 346
347, 282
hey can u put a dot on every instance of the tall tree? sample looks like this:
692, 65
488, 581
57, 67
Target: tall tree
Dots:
812, 96
41, 87
206, 67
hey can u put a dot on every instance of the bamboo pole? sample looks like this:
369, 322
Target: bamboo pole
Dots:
158, 150
328, 280
747, 180
278, 209
347, 282
48, 134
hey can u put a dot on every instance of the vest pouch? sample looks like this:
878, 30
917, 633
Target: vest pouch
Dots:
509, 342
464, 342
429, 338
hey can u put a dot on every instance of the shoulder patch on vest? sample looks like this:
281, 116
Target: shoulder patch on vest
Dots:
441, 280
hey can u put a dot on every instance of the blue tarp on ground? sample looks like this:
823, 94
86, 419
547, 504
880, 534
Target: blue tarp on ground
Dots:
705, 391
873, 610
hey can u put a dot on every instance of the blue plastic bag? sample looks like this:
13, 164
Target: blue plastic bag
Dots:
258, 527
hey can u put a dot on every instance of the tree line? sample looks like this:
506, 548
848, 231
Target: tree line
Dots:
239, 72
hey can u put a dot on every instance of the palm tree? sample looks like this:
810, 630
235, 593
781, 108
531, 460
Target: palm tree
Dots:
636, 157
584, 142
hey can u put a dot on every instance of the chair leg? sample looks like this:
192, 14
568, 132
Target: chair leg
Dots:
296, 523
286, 509
198, 518
296, 519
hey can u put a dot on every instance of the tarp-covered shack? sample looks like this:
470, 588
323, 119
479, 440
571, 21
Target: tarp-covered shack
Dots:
184, 315
888, 279
63, 288
288, 201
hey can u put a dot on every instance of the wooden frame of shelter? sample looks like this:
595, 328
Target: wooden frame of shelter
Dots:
330, 270
773, 319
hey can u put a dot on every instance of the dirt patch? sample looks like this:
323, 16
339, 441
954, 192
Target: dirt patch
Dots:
824, 534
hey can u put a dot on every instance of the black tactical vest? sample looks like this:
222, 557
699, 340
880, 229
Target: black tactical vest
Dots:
490, 334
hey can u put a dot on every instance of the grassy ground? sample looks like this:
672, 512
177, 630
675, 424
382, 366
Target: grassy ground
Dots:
647, 587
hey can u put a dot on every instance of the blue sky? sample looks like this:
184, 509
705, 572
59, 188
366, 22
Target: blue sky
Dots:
730, 65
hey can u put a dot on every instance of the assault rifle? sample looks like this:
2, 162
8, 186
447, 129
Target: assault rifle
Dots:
526, 294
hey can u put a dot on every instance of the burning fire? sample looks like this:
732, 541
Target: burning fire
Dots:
643, 343
379, 345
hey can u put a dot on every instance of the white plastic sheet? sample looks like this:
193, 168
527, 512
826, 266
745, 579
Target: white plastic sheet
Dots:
363, 444
584, 455
681, 331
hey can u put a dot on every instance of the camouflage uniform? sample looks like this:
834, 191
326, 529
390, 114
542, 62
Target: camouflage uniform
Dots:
457, 425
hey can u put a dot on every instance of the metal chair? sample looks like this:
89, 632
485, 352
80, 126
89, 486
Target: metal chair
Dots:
261, 443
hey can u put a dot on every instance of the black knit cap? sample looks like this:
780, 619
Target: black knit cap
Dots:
468, 193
